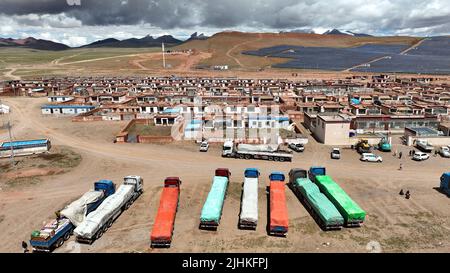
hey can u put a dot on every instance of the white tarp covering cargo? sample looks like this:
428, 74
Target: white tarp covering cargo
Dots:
249, 210
4, 109
104, 212
258, 148
76, 211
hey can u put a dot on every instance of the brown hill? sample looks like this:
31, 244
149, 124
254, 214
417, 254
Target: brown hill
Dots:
226, 47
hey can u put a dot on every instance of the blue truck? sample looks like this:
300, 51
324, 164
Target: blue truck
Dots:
53, 234
445, 183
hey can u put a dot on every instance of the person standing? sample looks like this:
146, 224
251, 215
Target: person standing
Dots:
24, 247
400, 155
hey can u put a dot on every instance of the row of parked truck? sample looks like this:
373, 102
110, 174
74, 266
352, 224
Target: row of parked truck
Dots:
326, 201
90, 216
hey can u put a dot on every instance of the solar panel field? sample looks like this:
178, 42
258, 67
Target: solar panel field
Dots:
432, 56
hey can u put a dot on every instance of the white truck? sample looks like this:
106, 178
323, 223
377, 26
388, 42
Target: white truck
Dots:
248, 218
424, 146
99, 221
252, 151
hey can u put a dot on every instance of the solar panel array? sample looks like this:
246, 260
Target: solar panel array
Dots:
432, 56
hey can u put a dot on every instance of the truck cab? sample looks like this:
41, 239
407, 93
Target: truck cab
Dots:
137, 181
228, 149
314, 171
297, 173
107, 186
252, 173
223, 172
445, 183
277, 176
172, 182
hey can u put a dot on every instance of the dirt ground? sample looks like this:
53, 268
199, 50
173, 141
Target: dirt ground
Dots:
421, 224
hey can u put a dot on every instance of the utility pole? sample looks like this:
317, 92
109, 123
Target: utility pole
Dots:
164, 56
10, 140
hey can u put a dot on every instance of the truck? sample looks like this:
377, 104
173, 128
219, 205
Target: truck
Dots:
445, 183
162, 232
279, 220
25, 147
248, 218
53, 234
351, 212
213, 207
99, 221
424, 146
315, 202
253, 151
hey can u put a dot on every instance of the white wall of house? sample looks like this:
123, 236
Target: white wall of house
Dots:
332, 133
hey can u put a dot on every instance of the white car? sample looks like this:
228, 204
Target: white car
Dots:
369, 157
420, 156
444, 151
204, 147
336, 153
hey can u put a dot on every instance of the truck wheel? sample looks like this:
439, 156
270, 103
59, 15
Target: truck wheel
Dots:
67, 236
60, 242
128, 205
281, 159
110, 222
241, 156
99, 234
247, 157
270, 158
276, 158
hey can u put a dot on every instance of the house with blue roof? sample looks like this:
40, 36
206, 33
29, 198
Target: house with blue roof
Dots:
63, 109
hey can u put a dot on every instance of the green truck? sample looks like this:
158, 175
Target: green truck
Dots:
317, 204
353, 215
212, 209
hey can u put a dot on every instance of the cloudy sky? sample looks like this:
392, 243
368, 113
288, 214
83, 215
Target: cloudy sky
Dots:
67, 22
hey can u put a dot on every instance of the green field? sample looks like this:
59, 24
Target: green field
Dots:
23, 56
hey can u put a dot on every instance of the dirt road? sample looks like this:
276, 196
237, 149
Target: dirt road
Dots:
392, 220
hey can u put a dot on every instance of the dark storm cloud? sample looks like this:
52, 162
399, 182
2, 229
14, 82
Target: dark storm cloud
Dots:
391, 15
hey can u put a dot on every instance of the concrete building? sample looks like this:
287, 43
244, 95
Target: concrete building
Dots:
62, 109
332, 129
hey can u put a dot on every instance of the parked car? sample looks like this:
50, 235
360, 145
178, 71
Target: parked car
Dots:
204, 147
421, 156
369, 157
299, 148
444, 151
336, 153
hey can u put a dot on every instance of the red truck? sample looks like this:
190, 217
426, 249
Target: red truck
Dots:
279, 221
163, 227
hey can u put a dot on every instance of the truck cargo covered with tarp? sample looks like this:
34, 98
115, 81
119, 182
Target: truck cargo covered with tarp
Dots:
322, 206
257, 148
165, 219
76, 212
352, 213
249, 208
279, 220
212, 209
112, 205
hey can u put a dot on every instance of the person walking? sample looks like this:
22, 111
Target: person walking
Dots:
400, 155
401, 167
407, 195
24, 247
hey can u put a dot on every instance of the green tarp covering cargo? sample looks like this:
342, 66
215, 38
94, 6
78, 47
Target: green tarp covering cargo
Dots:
212, 209
352, 213
325, 210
